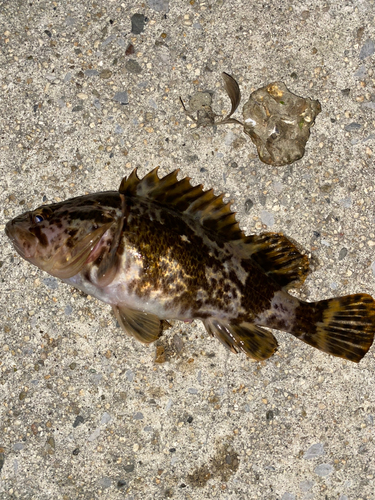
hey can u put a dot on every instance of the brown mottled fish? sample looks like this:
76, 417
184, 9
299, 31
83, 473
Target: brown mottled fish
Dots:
162, 249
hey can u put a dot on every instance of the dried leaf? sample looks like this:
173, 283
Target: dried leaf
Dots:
233, 91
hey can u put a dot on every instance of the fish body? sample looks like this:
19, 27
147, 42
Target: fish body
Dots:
162, 249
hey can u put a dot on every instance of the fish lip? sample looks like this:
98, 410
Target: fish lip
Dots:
10, 231
7, 230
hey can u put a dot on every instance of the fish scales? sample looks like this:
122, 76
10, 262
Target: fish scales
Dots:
161, 249
164, 259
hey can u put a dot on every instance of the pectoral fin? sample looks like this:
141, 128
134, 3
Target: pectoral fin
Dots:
255, 342
142, 326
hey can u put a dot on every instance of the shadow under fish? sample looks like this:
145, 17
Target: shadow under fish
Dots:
160, 248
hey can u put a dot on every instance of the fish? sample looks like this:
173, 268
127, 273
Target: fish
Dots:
162, 249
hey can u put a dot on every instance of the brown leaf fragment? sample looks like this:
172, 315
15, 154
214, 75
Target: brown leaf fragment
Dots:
160, 356
233, 91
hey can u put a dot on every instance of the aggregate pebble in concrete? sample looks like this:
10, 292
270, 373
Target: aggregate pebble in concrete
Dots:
71, 383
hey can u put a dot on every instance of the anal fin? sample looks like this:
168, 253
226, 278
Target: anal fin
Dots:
254, 341
142, 326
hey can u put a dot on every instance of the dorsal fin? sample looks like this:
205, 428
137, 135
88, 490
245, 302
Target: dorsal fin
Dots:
275, 254
210, 210
278, 257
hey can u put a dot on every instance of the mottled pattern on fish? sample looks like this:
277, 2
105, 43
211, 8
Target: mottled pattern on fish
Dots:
163, 249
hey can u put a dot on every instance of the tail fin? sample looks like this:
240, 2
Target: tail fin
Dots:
343, 326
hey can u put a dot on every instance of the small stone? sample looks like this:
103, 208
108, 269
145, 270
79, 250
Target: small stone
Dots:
68, 310
191, 390
373, 269
51, 283
323, 470
346, 202
97, 104
288, 496
159, 5
133, 66
129, 50
277, 187
69, 21
75, 110
121, 484
94, 435
106, 417
108, 40
22, 395
269, 415
353, 127
105, 74
138, 416
51, 442
91, 72
267, 218
119, 129
82, 96
369, 105
105, 482
229, 138
361, 72
121, 97
138, 23
306, 485
248, 205
326, 188
2, 460
192, 158
18, 446
79, 420
316, 450
75, 452
367, 49
343, 253
129, 467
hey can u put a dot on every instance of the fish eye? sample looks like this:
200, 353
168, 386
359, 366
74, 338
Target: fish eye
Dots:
38, 218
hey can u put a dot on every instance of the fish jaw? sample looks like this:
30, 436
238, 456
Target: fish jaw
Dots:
23, 241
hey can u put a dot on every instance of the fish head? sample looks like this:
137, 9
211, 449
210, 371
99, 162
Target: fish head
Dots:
60, 238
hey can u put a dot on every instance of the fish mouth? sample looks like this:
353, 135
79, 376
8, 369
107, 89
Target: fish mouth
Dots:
22, 240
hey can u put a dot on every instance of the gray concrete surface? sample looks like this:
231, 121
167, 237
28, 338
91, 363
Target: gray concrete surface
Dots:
85, 412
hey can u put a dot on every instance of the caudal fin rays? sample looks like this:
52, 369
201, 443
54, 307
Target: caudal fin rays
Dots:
342, 326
